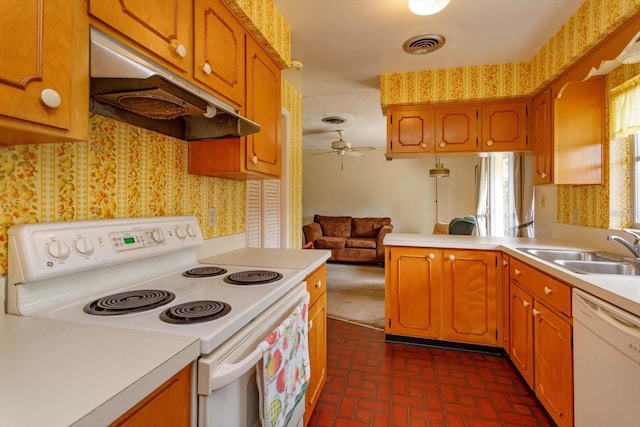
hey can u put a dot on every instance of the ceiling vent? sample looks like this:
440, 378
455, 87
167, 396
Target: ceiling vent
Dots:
423, 44
333, 120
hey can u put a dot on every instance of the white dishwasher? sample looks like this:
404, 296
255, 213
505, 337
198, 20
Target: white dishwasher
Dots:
606, 360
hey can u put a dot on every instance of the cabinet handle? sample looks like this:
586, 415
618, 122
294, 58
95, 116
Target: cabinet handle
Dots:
423, 145
518, 272
254, 159
431, 256
452, 258
543, 174
525, 303
505, 262
547, 290
443, 144
318, 284
490, 143
535, 312
206, 68
50, 98
310, 324
179, 48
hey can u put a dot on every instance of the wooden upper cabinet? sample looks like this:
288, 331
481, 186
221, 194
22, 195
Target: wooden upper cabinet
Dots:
578, 116
457, 128
469, 295
44, 75
162, 27
263, 107
219, 49
410, 130
504, 126
542, 140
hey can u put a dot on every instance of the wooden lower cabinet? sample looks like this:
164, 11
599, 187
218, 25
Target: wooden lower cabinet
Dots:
541, 339
169, 405
442, 294
316, 285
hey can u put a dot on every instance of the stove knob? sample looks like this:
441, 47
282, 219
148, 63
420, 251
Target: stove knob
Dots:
58, 250
83, 246
191, 231
180, 233
157, 236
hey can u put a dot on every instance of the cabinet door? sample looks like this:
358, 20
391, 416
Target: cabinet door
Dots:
410, 130
457, 128
542, 141
219, 49
414, 292
41, 99
504, 126
521, 332
263, 107
578, 133
169, 405
553, 364
469, 288
162, 27
317, 353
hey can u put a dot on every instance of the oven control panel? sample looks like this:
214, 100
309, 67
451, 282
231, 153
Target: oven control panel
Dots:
44, 250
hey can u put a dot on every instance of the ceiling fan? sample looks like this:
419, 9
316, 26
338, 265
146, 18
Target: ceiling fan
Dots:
343, 148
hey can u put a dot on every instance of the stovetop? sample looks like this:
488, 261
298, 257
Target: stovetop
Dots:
56, 269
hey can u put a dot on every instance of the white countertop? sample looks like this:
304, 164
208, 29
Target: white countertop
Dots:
59, 374
622, 291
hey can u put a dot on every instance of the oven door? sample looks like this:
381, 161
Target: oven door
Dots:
227, 389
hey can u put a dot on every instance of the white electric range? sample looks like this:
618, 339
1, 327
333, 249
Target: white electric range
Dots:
143, 274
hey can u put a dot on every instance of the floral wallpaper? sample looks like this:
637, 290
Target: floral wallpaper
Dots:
292, 102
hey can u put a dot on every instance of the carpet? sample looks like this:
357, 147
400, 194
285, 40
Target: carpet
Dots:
355, 293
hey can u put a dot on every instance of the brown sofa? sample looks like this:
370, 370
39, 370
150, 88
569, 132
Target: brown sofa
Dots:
350, 239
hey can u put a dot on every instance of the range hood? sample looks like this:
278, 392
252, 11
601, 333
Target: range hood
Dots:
129, 87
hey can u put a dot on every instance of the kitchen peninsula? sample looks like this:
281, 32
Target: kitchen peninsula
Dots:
488, 293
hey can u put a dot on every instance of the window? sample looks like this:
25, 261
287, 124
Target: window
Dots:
634, 141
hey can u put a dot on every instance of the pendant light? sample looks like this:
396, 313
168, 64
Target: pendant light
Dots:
439, 171
427, 7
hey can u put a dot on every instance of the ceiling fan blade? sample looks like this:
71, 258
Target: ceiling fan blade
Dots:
324, 152
362, 148
355, 154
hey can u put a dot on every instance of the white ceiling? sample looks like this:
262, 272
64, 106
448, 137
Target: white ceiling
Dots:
346, 44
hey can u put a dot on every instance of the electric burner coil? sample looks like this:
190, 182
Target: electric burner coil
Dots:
253, 277
195, 312
129, 302
207, 271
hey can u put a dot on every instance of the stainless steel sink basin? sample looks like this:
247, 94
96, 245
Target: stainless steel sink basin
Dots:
602, 267
570, 255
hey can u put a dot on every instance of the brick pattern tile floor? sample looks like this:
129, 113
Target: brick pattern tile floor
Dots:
371, 383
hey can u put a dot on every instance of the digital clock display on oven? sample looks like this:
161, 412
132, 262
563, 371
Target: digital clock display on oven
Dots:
128, 240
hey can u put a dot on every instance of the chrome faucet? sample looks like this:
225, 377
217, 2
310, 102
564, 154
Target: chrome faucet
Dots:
634, 248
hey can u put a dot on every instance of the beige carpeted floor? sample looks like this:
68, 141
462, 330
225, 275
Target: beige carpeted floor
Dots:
355, 292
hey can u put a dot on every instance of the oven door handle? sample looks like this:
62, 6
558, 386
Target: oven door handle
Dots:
227, 373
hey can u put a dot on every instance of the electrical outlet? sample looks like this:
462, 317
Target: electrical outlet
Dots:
212, 217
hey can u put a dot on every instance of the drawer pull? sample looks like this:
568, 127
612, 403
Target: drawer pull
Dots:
431, 256
547, 290
489, 143
535, 312
443, 144
543, 175
452, 258
179, 48
318, 284
518, 272
50, 98
423, 145
206, 68
505, 262
526, 303
310, 324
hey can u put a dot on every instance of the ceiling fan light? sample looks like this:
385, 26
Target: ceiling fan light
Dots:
427, 7
439, 171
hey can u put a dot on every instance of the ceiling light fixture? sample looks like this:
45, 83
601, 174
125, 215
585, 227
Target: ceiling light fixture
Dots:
427, 7
439, 171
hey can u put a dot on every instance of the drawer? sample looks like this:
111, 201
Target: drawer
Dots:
544, 288
316, 283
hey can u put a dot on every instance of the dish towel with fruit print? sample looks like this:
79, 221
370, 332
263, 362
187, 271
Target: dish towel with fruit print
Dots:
283, 375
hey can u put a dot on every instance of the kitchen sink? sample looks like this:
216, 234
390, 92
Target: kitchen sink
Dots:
602, 267
570, 255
